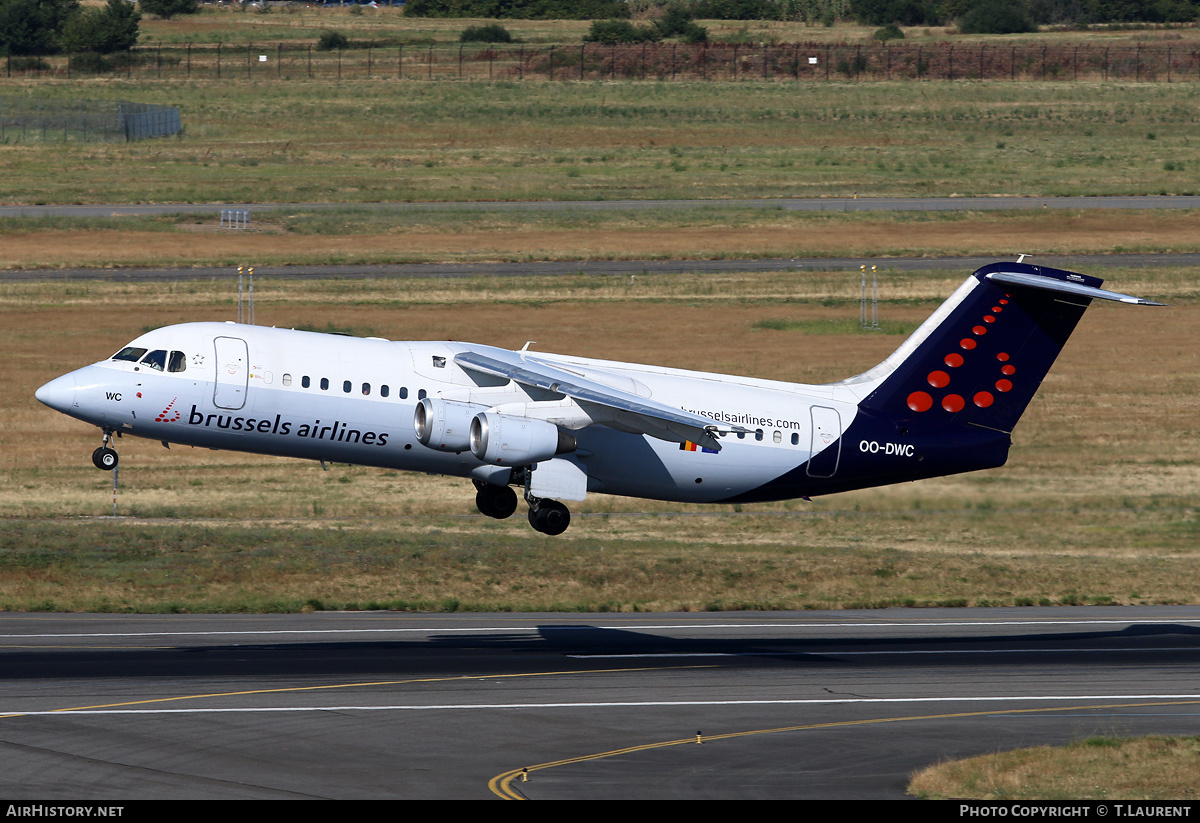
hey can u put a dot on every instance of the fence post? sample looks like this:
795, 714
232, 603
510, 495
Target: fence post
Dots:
581, 56
278, 60
400, 62
552, 64
370, 50
189, 59
218, 61
460, 48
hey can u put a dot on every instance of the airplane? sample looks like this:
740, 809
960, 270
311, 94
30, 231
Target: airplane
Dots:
559, 427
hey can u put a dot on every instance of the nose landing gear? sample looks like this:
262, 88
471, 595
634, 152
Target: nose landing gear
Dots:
105, 458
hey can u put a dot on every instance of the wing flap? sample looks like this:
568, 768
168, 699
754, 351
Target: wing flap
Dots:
629, 411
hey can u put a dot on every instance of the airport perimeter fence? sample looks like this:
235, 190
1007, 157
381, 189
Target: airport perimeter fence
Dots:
24, 120
657, 61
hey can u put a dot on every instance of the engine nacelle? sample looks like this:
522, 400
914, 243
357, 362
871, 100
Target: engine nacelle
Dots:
506, 440
444, 425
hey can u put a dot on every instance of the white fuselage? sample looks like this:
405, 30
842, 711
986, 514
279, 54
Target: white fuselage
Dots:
345, 399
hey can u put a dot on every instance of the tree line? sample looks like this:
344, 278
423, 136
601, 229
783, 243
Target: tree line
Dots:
40, 27
995, 16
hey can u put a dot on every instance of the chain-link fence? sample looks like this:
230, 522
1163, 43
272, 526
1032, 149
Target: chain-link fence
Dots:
651, 61
27, 119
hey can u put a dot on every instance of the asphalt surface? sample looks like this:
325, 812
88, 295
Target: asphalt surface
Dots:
389, 705
846, 204
613, 267
623, 268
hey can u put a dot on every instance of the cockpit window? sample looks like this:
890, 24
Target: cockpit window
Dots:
131, 353
178, 362
156, 359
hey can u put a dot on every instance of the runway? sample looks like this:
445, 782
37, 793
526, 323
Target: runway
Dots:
393, 705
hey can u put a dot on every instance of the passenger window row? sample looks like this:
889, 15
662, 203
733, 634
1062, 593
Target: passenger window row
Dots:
383, 390
776, 437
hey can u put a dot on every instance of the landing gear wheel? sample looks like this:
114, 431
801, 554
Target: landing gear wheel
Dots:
549, 517
496, 501
104, 458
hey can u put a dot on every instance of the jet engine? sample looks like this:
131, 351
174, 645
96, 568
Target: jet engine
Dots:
505, 440
444, 425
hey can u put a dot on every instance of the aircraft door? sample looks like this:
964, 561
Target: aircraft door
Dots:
826, 444
233, 372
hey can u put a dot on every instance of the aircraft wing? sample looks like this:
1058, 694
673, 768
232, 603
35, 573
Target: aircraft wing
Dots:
628, 411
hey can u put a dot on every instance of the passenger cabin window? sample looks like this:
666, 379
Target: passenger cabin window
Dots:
287, 380
404, 392
795, 439
366, 388
130, 353
777, 437
305, 382
758, 434
346, 386
324, 384
383, 390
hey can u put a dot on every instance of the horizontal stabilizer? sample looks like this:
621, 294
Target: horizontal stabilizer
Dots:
1038, 281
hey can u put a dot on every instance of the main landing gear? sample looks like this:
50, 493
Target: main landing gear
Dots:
495, 501
545, 515
548, 516
105, 458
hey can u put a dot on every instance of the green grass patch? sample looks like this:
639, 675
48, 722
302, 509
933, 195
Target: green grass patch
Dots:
278, 140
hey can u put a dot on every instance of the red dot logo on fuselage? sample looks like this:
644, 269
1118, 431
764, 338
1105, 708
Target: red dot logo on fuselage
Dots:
166, 415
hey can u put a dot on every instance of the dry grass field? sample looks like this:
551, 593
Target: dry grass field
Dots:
479, 236
1097, 504
1099, 768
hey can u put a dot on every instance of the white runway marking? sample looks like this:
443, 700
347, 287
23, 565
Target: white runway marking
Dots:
616, 704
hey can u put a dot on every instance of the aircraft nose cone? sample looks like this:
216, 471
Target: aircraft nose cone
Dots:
59, 393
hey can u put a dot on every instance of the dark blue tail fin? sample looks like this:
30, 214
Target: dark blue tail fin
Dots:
981, 357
